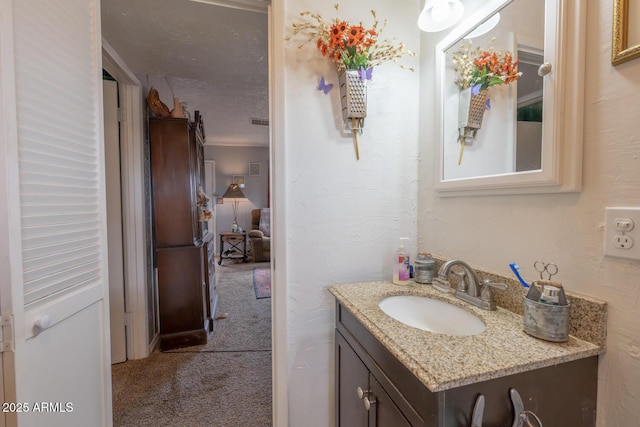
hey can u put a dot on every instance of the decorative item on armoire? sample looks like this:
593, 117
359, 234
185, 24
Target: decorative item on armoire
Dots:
158, 108
477, 71
177, 112
355, 51
203, 203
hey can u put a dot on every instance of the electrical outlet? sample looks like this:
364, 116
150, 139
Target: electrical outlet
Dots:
623, 242
620, 232
623, 224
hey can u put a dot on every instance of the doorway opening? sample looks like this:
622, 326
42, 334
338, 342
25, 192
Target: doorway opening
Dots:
145, 296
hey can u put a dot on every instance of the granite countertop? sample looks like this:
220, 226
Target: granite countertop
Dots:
443, 362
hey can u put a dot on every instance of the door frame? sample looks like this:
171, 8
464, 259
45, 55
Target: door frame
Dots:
139, 343
131, 98
115, 246
11, 304
277, 189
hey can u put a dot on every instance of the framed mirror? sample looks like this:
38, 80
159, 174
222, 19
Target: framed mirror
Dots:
530, 136
625, 43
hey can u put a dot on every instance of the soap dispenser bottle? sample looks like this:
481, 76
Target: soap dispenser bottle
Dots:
401, 267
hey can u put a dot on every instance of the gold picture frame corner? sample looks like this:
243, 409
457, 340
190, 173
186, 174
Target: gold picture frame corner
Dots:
621, 52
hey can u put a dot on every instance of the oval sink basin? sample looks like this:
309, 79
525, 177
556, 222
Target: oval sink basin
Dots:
431, 315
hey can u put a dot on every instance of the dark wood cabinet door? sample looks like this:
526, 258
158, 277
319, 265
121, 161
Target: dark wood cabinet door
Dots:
174, 172
351, 373
181, 297
383, 412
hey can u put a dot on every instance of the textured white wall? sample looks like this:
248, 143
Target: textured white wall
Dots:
343, 217
568, 229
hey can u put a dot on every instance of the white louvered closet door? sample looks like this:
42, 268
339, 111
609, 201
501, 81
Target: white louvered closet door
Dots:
56, 214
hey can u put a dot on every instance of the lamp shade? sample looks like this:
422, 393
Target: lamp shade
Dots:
234, 192
439, 15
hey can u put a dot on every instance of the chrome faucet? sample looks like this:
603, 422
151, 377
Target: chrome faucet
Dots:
471, 290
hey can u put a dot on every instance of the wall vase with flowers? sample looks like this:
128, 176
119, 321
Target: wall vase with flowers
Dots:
471, 111
355, 50
478, 70
353, 98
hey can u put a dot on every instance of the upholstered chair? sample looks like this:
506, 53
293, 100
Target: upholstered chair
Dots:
260, 235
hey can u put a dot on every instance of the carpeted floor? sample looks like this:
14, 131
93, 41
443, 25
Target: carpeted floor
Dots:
226, 382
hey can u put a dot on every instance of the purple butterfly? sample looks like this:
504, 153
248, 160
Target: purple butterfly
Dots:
365, 74
325, 87
487, 104
475, 90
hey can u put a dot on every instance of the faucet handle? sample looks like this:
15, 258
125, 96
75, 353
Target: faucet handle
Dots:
501, 286
486, 294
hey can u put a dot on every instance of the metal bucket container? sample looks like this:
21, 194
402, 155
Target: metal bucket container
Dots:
424, 268
547, 322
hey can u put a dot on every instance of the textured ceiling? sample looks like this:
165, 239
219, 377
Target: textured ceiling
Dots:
214, 58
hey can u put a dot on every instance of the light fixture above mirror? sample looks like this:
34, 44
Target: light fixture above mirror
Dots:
438, 15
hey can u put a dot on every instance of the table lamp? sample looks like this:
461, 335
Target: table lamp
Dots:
235, 194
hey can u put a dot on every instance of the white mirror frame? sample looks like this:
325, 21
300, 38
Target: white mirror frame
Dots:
564, 48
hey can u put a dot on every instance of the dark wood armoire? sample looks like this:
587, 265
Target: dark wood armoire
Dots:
187, 293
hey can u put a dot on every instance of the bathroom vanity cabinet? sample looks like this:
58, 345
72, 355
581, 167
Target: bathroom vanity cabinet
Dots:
373, 388
361, 400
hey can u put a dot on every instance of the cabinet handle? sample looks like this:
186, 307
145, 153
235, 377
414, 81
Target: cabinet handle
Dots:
368, 402
362, 393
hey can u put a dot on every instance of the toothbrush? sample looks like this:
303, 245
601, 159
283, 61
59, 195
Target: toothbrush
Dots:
516, 271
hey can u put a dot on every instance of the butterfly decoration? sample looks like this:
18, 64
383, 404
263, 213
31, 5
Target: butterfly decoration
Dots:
325, 87
365, 74
487, 104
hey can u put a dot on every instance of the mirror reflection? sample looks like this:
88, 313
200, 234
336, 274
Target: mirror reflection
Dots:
505, 136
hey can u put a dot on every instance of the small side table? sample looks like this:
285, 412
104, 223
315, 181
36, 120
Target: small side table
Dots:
233, 242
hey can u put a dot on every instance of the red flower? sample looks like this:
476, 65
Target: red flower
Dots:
322, 47
337, 33
357, 32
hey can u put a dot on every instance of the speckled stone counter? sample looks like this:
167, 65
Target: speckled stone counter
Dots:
442, 362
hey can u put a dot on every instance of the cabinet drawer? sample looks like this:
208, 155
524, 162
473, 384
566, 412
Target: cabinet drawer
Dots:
232, 239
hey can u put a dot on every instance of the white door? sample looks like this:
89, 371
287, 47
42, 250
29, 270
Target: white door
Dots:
53, 258
210, 189
114, 222
210, 178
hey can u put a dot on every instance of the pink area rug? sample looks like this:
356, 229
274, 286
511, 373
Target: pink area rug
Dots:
262, 282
